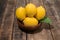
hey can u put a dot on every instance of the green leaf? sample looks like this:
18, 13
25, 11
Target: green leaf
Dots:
46, 20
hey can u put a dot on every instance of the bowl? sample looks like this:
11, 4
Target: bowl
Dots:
27, 29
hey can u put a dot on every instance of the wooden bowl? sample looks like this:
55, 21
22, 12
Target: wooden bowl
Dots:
27, 29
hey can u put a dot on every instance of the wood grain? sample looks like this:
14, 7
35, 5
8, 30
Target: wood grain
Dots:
17, 33
52, 8
57, 6
2, 9
2, 5
7, 22
44, 34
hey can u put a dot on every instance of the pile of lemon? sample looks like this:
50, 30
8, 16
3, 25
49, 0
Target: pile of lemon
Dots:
30, 14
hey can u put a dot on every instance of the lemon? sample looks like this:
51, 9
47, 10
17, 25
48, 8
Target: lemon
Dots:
30, 9
30, 21
40, 13
20, 13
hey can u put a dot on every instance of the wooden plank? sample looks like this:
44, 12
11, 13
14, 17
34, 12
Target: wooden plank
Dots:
55, 18
43, 34
2, 5
57, 6
7, 22
2, 14
2, 9
17, 33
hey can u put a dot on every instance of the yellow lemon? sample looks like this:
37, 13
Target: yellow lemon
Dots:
20, 13
30, 9
40, 13
30, 21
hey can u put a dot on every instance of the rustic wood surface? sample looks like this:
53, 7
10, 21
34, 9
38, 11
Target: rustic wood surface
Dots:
6, 22
17, 33
9, 29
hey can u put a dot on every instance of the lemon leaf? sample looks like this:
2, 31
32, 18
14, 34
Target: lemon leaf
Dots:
46, 20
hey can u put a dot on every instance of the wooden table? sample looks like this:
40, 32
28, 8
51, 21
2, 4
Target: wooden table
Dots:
8, 25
